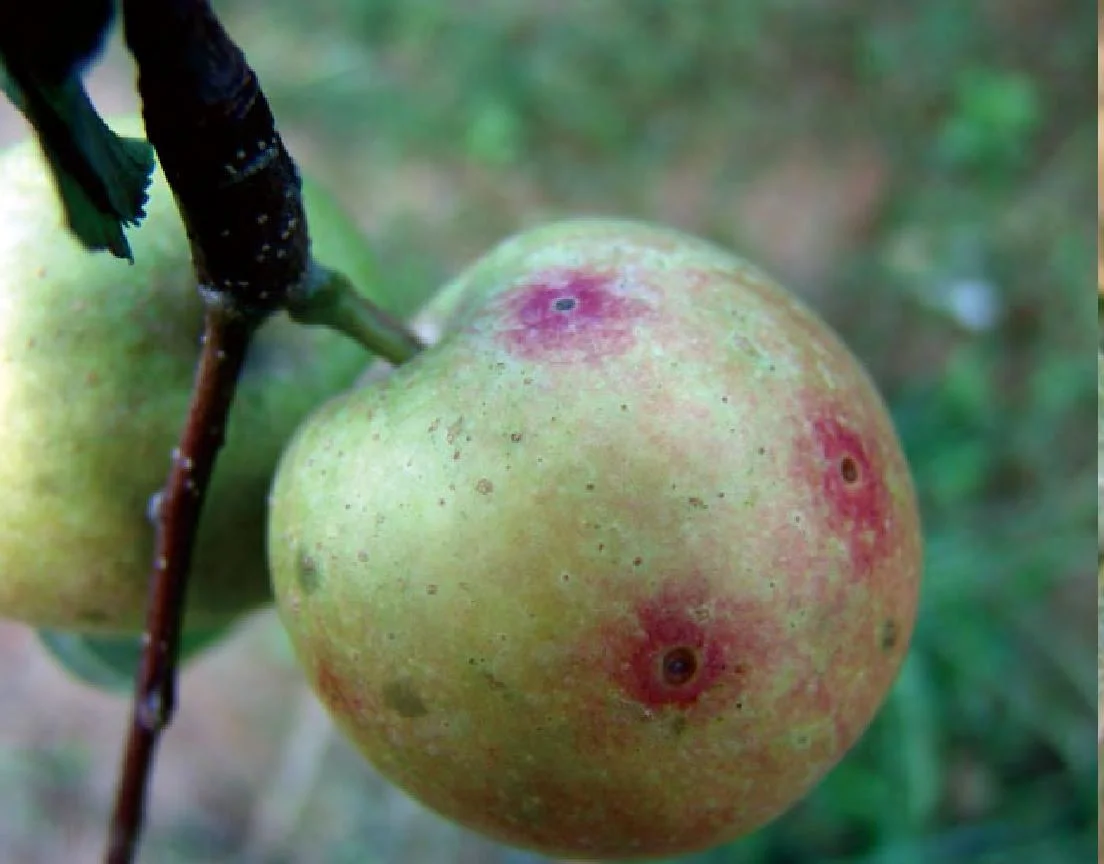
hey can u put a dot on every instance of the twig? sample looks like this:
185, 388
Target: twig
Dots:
240, 198
226, 340
236, 186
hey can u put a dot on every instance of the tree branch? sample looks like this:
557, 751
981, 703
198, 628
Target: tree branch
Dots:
226, 341
235, 183
239, 195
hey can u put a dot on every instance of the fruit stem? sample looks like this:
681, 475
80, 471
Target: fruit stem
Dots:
330, 299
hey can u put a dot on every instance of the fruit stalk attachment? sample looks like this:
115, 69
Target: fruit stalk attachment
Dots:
330, 299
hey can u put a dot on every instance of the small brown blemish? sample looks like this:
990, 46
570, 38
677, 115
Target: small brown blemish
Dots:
496, 683
454, 430
94, 615
849, 470
697, 503
515, 437
307, 574
589, 487
401, 697
431, 589
637, 561
484, 486
891, 633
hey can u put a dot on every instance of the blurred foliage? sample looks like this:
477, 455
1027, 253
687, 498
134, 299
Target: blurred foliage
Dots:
448, 125
965, 295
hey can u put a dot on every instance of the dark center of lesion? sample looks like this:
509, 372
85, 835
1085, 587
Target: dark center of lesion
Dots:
564, 304
849, 470
679, 666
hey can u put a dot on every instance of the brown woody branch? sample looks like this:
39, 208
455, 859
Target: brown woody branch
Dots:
226, 341
238, 192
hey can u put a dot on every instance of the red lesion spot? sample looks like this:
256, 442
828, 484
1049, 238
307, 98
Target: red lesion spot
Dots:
566, 311
854, 489
685, 642
331, 689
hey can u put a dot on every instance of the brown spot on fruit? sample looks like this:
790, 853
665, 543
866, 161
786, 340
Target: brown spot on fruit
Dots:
401, 697
570, 311
493, 681
891, 634
307, 573
484, 486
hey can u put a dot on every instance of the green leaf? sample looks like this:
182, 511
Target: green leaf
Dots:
111, 662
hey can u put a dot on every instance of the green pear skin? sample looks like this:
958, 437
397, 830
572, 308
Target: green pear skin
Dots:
621, 566
97, 362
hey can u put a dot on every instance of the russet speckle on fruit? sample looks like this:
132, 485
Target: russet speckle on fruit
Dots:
621, 566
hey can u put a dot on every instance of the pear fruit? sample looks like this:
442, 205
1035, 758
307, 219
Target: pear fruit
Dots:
621, 566
97, 362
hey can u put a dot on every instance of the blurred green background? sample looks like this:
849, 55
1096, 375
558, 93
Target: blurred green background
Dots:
918, 172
